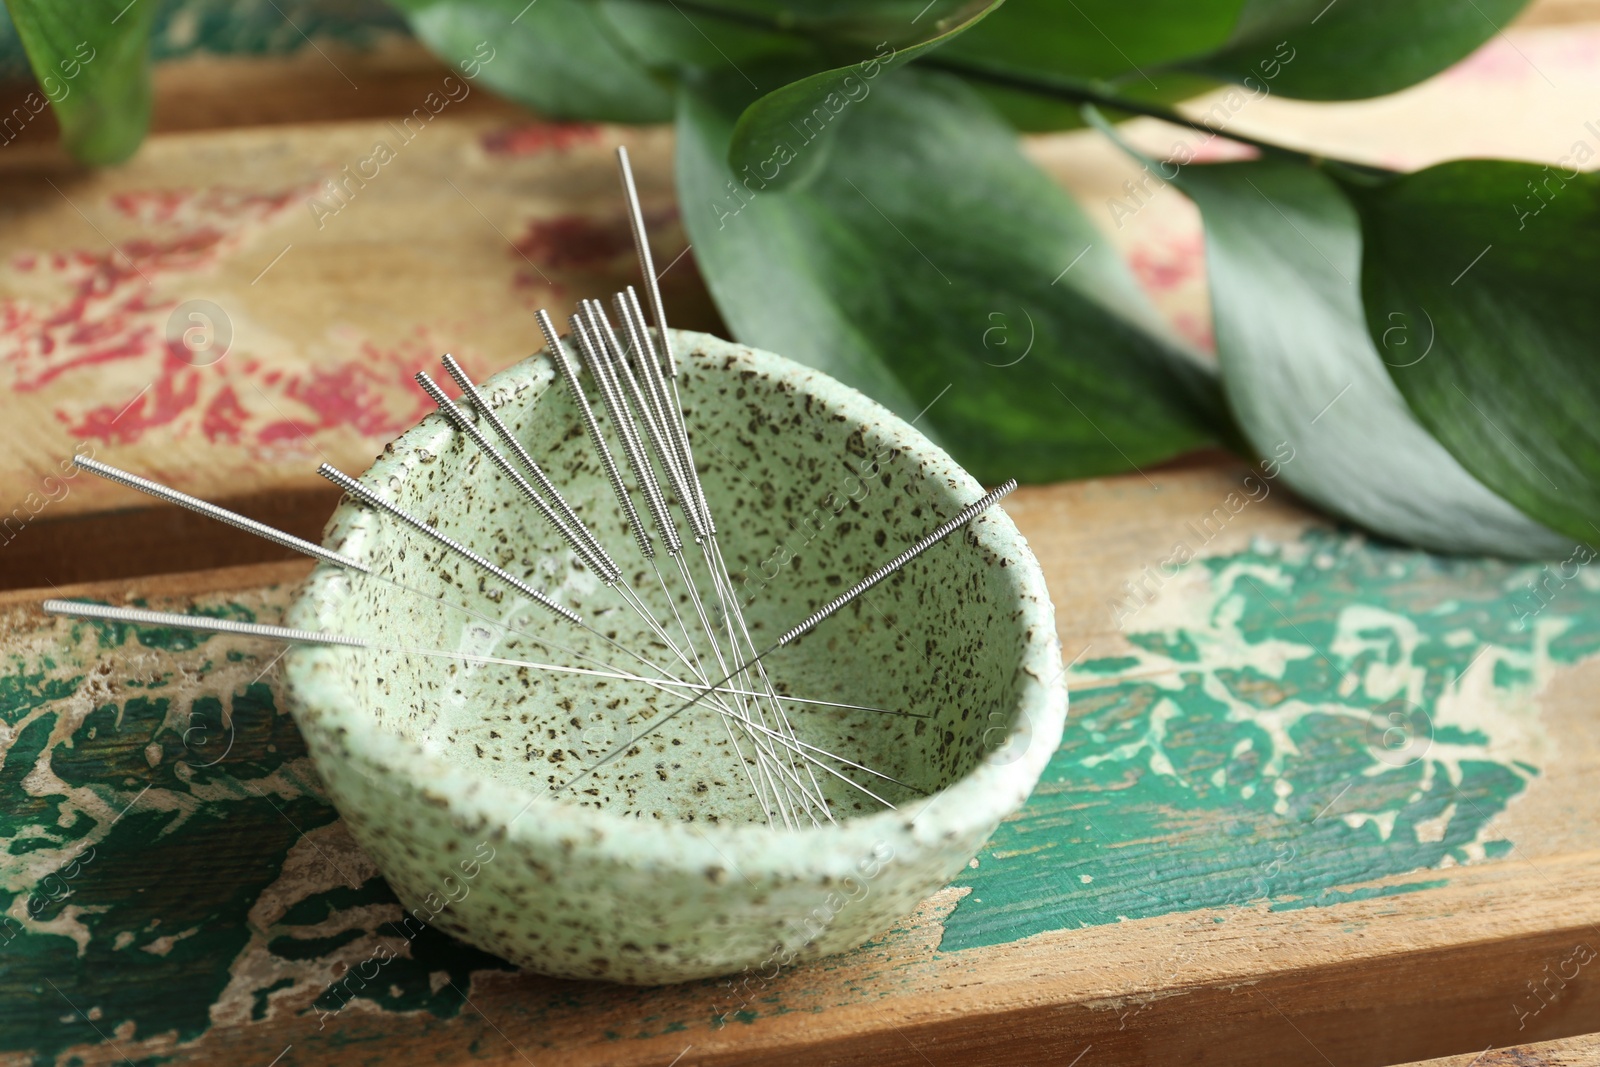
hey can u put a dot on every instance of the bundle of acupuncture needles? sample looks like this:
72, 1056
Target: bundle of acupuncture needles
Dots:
714, 665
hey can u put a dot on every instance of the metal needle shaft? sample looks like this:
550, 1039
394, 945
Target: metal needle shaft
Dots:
641, 246
487, 411
458, 418
559, 356
80, 609
223, 515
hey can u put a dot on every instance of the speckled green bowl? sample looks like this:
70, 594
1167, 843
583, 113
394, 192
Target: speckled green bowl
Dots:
661, 866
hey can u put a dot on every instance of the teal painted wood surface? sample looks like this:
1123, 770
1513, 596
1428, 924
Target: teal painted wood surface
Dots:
153, 791
1297, 717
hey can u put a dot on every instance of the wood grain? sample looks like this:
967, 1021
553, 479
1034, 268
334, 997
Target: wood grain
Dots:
333, 296
206, 91
1567, 1052
102, 545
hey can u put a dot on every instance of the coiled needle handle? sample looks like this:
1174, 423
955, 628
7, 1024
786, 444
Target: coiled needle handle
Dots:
373, 500
944, 530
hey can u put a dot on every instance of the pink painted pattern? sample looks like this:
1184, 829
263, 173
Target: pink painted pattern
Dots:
1169, 264
537, 138
104, 313
582, 243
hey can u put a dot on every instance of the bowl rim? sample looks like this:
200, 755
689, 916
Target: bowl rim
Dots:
972, 805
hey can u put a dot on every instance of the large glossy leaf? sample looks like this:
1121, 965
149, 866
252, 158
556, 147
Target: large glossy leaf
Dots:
1303, 376
672, 36
1492, 270
778, 135
92, 61
862, 21
964, 279
1102, 40
802, 36
1129, 44
558, 57
1348, 49
841, 21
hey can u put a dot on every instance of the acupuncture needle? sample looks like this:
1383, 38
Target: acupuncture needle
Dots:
318, 552
615, 370
208, 624
608, 570
608, 463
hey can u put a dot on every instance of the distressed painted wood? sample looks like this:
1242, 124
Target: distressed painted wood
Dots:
229, 310
1566, 1052
1372, 898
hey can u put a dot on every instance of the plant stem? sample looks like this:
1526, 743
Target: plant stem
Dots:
1083, 93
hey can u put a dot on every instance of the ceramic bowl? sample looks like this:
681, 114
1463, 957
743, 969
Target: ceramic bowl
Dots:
661, 865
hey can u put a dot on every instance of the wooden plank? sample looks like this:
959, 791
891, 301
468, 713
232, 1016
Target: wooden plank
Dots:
206, 91
329, 300
140, 539
1582, 1051
1148, 902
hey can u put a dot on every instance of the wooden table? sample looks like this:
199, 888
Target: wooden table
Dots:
1567, 1052
1320, 799
1167, 895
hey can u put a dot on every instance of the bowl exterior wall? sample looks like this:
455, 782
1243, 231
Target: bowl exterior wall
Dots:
558, 905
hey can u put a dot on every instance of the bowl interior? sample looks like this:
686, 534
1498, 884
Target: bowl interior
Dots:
812, 486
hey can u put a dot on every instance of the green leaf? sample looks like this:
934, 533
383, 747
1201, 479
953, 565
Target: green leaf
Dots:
1304, 379
674, 36
1349, 49
1099, 40
1091, 42
558, 57
92, 59
965, 280
778, 134
1489, 271
863, 22
802, 37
